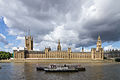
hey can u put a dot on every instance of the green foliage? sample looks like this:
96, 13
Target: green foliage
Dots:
117, 59
4, 55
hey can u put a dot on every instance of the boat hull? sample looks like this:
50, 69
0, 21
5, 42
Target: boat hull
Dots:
81, 69
61, 70
65, 68
40, 68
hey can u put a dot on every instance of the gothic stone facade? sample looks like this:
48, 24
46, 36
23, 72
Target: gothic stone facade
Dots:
95, 54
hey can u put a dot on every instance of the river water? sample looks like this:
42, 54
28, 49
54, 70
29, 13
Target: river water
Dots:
27, 71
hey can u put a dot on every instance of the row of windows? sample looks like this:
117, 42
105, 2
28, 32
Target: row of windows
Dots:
20, 55
57, 56
63, 55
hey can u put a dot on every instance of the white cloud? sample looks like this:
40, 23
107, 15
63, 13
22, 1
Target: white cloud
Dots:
2, 36
11, 32
22, 41
3, 39
18, 48
21, 48
64, 35
108, 47
8, 46
14, 48
20, 38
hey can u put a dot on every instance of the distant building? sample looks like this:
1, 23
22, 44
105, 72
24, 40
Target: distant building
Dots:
112, 53
28, 53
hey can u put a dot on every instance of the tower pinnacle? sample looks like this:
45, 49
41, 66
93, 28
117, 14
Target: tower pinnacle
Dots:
99, 43
59, 46
29, 32
99, 38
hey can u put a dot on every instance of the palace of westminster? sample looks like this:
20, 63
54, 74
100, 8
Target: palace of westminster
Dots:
28, 53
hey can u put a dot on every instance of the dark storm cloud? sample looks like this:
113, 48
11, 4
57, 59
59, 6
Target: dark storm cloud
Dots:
108, 28
52, 10
107, 24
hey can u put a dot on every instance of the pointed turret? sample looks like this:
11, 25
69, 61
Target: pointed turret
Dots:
59, 42
99, 38
99, 43
59, 46
82, 49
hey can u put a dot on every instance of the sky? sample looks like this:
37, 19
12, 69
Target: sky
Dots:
77, 23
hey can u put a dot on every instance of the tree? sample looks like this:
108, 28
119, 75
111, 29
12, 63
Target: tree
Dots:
4, 55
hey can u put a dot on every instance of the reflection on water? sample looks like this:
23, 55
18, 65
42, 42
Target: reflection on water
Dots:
27, 71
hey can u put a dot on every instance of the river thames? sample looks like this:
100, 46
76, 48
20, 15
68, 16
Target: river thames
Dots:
27, 71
